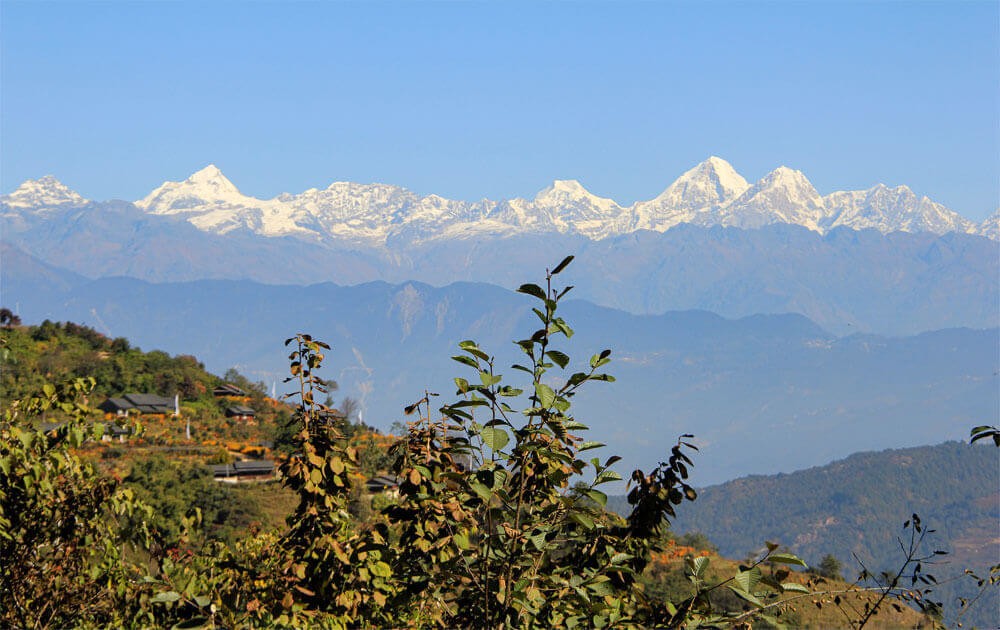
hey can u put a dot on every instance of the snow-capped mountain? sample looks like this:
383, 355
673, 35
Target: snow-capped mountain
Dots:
891, 209
44, 192
783, 196
212, 203
564, 206
990, 228
692, 198
375, 215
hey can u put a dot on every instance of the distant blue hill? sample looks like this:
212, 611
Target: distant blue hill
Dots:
763, 394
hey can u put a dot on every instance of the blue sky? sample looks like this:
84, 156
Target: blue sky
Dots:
471, 100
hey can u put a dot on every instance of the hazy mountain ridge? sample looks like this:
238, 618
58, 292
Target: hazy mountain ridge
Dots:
845, 280
712, 193
736, 384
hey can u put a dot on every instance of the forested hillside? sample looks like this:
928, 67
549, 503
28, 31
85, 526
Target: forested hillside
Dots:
153, 506
855, 507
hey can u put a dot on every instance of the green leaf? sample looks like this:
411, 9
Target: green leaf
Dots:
586, 446
481, 490
582, 519
606, 476
597, 497
562, 265
558, 358
545, 395
466, 360
787, 558
618, 558
795, 587
747, 580
165, 596
538, 540
562, 327
462, 540
598, 360
698, 565
462, 384
532, 289
489, 379
747, 596
494, 437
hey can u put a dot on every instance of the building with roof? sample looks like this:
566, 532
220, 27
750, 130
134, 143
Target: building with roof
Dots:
243, 471
241, 412
228, 390
138, 404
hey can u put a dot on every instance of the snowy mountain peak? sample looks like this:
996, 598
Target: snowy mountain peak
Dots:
208, 174
44, 192
890, 209
571, 207
711, 193
782, 196
990, 228
692, 196
569, 189
786, 175
210, 181
569, 186
205, 187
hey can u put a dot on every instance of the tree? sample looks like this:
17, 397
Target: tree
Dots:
61, 522
829, 567
8, 319
498, 523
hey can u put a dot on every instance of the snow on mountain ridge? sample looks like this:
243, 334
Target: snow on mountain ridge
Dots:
712, 193
691, 197
892, 209
44, 192
783, 196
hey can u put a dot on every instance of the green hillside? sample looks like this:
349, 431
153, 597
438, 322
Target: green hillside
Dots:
856, 506
166, 470
56, 352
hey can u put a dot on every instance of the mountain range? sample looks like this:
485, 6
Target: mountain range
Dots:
774, 384
711, 241
374, 215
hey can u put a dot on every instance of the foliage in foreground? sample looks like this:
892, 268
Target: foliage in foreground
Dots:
499, 521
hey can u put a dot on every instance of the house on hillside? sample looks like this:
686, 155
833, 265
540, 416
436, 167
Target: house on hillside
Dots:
244, 471
139, 404
115, 432
241, 412
228, 390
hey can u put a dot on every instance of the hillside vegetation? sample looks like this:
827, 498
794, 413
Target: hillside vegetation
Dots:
854, 507
496, 516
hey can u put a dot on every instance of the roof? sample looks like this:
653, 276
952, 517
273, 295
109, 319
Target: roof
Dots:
240, 410
228, 389
143, 403
115, 404
244, 467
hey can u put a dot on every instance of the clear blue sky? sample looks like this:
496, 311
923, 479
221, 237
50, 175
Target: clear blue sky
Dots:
468, 100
